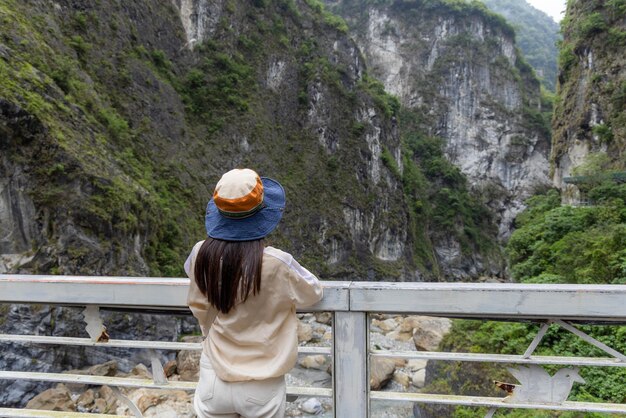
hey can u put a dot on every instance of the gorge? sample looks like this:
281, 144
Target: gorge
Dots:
408, 136
124, 109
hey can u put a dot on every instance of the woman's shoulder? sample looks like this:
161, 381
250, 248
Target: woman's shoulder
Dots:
275, 253
197, 246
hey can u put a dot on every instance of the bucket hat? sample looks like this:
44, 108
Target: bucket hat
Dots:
244, 206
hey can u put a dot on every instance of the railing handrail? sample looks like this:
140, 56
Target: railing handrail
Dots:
351, 302
482, 300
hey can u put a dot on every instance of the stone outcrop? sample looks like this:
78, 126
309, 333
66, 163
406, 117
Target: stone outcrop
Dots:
55, 399
461, 73
589, 121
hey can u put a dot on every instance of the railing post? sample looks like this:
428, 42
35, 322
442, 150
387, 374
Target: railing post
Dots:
351, 385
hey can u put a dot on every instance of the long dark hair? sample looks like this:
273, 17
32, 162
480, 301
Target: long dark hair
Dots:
227, 272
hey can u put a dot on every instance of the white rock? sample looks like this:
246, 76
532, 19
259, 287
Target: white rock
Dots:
313, 362
416, 364
312, 406
402, 378
419, 378
387, 325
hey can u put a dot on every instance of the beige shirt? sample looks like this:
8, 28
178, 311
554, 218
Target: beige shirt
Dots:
257, 339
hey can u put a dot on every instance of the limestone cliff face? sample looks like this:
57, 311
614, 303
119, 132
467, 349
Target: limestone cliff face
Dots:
140, 108
17, 210
461, 73
590, 117
115, 125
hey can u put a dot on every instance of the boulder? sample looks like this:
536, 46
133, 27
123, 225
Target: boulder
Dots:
100, 406
55, 399
85, 400
409, 323
386, 325
170, 368
305, 332
140, 371
398, 362
162, 403
398, 335
429, 333
381, 371
324, 317
312, 406
188, 365
105, 369
402, 378
314, 362
419, 378
106, 400
416, 364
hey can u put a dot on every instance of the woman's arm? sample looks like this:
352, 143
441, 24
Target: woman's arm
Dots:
204, 312
306, 289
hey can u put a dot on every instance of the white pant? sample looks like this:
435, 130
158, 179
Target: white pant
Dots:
216, 398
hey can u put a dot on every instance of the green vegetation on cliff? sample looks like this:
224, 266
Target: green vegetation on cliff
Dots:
591, 105
552, 244
565, 244
78, 94
438, 197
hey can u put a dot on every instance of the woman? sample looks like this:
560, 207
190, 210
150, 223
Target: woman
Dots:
244, 296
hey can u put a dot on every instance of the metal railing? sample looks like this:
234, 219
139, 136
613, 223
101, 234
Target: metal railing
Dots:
350, 303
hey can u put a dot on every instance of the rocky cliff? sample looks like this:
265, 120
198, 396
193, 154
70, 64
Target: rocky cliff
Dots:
456, 66
536, 34
590, 115
117, 118
115, 124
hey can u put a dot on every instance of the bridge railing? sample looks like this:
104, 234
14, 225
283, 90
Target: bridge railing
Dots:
350, 303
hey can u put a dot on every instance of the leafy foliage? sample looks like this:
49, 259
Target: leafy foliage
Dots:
570, 244
555, 244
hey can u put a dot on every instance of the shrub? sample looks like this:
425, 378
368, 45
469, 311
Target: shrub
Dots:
591, 24
80, 46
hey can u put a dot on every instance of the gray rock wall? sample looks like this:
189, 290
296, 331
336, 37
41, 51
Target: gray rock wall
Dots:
461, 75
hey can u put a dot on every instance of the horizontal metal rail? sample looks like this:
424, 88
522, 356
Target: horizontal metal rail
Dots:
350, 302
136, 383
35, 413
160, 293
481, 401
468, 300
493, 301
155, 345
501, 358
